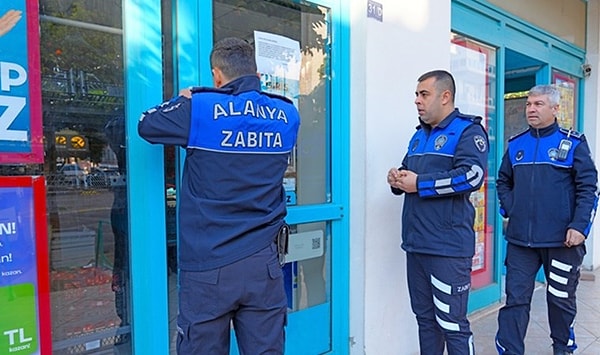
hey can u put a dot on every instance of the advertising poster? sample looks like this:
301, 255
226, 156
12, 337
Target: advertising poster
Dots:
566, 111
21, 139
24, 287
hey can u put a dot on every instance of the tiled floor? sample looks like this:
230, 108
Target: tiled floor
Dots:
538, 342
484, 325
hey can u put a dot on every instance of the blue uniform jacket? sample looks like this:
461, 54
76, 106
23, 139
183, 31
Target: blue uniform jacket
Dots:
238, 141
450, 161
543, 195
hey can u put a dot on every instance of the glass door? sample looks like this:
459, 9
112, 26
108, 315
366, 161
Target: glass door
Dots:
82, 86
474, 67
294, 56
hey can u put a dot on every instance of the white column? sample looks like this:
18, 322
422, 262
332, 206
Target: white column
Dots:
387, 57
591, 114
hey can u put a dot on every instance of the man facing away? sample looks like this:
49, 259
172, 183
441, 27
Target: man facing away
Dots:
232, 204
547, 186
445, 162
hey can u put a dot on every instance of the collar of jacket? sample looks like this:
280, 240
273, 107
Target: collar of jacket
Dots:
546, 131
242, 84
443, 124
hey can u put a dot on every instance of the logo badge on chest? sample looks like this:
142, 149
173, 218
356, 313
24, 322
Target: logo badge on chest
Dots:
553, 154
414, 145
440, 141
520, 154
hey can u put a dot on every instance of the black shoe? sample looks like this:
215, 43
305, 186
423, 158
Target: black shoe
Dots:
562, 352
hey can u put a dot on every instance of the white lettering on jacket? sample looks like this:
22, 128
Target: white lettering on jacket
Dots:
249, 108
240, 139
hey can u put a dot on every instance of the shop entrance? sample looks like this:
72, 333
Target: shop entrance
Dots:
526, 56
292, 42
519, 76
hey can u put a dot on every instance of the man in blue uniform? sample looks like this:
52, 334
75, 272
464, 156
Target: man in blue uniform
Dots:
232, 204
446, 161
547, 189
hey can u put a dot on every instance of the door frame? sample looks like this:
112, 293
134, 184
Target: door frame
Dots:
489, 24
143, 58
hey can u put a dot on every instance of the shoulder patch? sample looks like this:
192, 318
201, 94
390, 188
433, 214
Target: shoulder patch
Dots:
472, 118
275, 96
571, 133
518, 134
480, 143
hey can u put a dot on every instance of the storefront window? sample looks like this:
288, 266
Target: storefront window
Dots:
81, 56
473, 65
301, 27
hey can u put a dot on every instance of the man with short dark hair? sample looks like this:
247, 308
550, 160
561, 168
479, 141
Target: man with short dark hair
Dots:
445, 162
547, 186
232, 204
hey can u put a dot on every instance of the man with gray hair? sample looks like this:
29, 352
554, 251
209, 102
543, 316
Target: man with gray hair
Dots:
547, 185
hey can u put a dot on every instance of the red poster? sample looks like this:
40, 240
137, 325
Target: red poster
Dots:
24, 274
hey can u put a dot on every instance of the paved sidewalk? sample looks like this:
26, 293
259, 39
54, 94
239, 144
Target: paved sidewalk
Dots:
538, 342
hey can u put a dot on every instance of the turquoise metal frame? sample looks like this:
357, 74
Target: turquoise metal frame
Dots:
193, 40
340, 168
145, 181
487, 23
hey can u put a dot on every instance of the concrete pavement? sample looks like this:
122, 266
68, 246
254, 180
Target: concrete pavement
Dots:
537, 341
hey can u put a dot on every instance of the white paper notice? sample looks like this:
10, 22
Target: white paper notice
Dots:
278, 60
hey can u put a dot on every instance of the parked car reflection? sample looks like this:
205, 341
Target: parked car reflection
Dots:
104, 177
72, 174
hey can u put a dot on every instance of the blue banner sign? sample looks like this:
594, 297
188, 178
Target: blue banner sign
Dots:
20, 95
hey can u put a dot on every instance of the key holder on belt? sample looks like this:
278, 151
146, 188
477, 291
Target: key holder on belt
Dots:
283, 237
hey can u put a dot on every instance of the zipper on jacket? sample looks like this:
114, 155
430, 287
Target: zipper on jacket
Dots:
531, 187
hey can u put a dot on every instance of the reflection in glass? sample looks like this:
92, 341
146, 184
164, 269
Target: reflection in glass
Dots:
307, 177
85, 167
307, 271
473, 65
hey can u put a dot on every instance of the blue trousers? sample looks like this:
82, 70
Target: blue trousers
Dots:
562, 268
248, 295
439, 291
